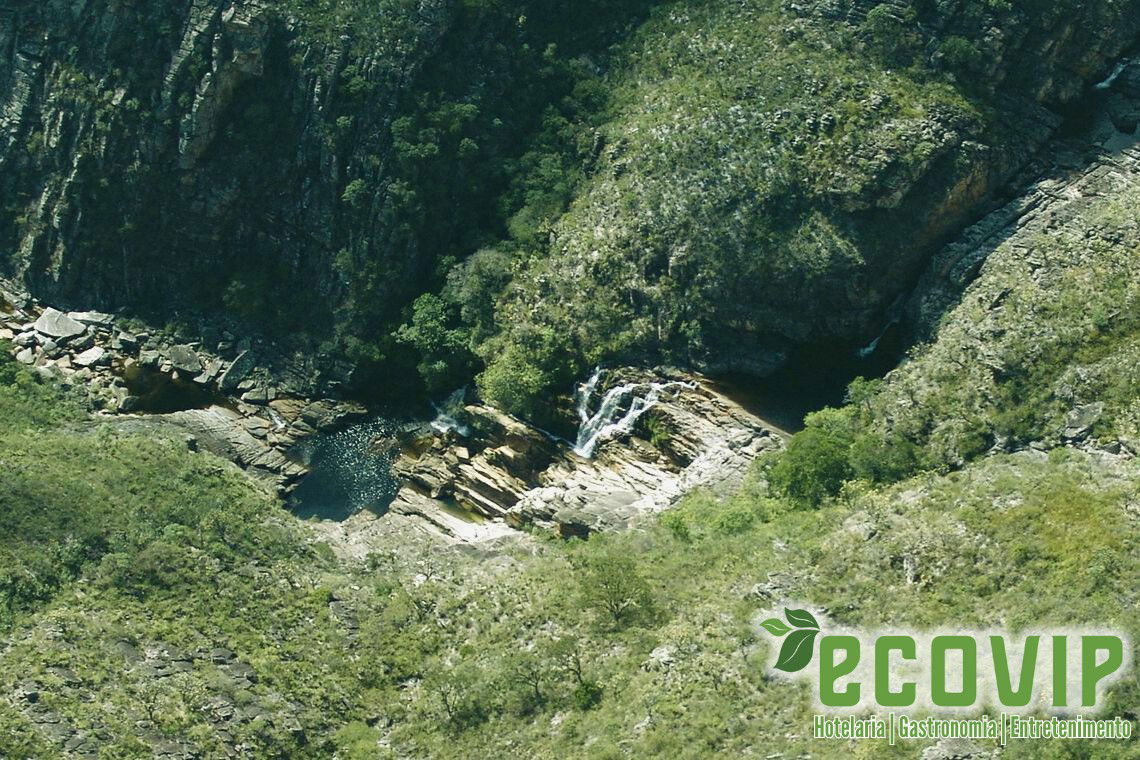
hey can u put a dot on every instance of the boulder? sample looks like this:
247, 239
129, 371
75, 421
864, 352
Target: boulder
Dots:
209, 372
56, 324
184, 359
97, 318
25, 339
125, 342
1080, 420
237, 372
151, 359
92, 357
258, 396
80, 343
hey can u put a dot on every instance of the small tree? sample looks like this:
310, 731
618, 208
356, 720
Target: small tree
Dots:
567, 654
816, 462
445, 361
611, 584
456, 690
528, 671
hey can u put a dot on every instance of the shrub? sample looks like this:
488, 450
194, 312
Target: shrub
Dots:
355, 193
611, 584
587, 695
445, 361
883, 458
960, 55
518, 378
815, 464
674, 522
892, 34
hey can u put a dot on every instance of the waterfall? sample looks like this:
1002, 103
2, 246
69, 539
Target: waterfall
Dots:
278, 421
605, 424
869, 349
444, 422
894, 316
582, 395
1111, 78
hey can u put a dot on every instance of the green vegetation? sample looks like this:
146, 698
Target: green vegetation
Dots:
1009, 365
1012, 359
716, 193
446, 172
619, 180
515, 191
642, 643
81, 501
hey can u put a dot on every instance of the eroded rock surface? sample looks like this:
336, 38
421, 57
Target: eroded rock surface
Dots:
148, 381
514, 473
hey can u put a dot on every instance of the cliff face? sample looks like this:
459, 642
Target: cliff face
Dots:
188, 153
1030, 315
739, 210
314, 169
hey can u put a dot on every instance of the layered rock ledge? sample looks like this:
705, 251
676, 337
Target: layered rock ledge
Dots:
509, 475
224, 398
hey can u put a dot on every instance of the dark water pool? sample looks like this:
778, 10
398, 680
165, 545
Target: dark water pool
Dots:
350, 470
813, 378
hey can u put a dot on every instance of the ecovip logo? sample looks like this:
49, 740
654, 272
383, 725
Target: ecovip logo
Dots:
1056, 671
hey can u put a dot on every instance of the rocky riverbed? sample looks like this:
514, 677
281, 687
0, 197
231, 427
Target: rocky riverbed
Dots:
225, 398
653, 435
476, 489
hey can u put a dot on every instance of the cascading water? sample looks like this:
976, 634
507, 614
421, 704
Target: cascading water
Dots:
894, 316
278, 421
610, 421
1111, 78
444, 421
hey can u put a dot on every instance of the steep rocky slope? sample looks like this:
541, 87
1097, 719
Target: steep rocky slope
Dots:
738, 210
174, 150
1031, 315
303, 166
156, 603
312, 167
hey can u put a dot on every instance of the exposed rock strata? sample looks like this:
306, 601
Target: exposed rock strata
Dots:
522, 476
1041, 292
141, 149
1063, 183
99, 353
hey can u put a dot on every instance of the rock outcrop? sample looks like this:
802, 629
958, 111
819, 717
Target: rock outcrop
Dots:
1029, 318
476, 488
146, 381
143, 156
730, 221
508, 471
1061, 187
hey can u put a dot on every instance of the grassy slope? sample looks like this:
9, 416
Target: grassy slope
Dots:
737, 141
1051, 323
447, 653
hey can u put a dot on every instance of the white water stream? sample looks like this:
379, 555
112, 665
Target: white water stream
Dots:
444, 422
1111, 78
618, 411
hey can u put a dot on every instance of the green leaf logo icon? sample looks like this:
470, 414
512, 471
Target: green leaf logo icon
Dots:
801, 619
796, 651
775, 626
